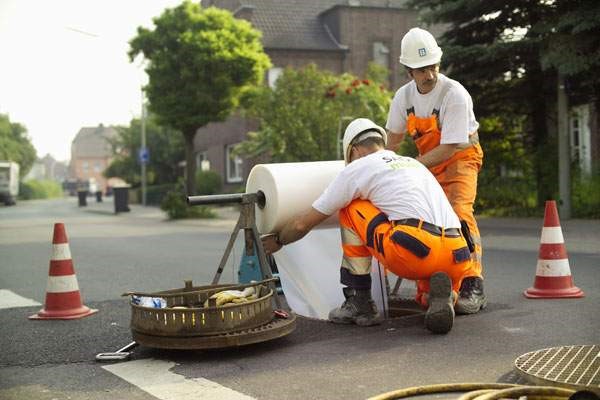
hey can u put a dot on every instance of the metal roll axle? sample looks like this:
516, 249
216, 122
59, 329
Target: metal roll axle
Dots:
234, 198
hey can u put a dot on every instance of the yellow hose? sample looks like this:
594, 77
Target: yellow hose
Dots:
480, 391
515, 393
439, 388
475, 393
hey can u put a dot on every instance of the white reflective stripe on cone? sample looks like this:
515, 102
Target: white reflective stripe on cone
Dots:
61, 251
552, 234
62, 284
553, 268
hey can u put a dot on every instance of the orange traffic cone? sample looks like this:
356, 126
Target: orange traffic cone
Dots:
63, 300
553, 275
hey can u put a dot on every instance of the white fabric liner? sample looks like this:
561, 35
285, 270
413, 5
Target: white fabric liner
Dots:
309, 270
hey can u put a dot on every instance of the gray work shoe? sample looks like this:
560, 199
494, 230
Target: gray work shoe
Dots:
359, 308
439, 317
471, 298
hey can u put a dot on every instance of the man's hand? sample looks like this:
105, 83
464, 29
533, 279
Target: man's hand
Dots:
438, 154
393, 140
270, 243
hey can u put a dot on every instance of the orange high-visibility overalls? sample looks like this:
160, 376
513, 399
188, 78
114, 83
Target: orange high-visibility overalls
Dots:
458, 174
411, 249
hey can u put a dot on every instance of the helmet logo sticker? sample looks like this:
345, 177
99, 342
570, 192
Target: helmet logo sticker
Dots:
422, 52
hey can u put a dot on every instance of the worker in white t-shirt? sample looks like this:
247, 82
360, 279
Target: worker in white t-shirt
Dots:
437, 113
391, 208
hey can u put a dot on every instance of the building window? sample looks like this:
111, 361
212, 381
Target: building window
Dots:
381, 54
234, 165
272, 75
202, 162
579, 134
97, 167
85, 166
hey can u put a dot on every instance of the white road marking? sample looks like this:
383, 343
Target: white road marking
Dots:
9, 299
154, 377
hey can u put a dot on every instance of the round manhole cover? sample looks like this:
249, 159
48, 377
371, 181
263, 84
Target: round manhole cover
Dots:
574, 367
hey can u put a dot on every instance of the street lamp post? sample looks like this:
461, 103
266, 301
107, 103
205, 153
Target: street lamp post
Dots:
143, 160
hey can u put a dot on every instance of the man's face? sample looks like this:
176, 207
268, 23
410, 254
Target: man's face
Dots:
425, 77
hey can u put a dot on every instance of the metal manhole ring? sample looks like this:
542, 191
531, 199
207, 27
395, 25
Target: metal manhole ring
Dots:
574, 367
275, 329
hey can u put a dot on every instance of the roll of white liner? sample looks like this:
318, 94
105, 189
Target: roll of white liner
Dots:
290, 189
309, 269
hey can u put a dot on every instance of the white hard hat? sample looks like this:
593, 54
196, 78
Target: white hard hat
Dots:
419, 49
355, 128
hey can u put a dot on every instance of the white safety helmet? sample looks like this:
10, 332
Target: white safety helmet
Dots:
419, 49
355, 128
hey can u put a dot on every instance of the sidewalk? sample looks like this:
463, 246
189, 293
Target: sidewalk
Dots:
580, 235
226, 216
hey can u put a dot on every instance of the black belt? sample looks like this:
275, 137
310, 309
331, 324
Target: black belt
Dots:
426, 226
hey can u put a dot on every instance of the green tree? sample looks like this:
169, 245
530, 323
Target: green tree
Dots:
201, 60
507, 54
573, 45
15, 145
302, 117
166, 150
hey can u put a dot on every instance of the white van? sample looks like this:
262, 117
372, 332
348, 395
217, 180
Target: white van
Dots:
9, 182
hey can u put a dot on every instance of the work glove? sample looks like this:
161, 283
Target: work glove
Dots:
233, 296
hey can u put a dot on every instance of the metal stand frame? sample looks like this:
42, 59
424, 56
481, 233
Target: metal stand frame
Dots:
247, 222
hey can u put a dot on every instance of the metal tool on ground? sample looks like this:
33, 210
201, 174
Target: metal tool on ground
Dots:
122, 354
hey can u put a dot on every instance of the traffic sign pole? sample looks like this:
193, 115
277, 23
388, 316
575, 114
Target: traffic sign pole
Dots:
144, 149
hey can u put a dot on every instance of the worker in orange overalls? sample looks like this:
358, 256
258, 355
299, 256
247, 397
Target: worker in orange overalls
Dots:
437, 113
391, 208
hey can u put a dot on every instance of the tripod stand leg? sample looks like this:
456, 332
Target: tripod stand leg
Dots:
227, 251
265, 266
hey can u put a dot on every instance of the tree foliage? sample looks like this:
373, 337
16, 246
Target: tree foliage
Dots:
200, 61
303, 116
15, 145
166, 150
508, 54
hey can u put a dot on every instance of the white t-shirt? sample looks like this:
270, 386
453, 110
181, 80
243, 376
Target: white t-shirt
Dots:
399, 186
456, 116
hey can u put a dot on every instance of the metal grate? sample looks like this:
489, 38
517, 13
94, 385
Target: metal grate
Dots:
574, 367
276, 328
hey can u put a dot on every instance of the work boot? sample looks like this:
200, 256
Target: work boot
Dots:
359, 308
471, 298
439, 317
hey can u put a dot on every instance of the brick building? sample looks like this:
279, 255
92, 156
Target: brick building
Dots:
336, 35
91, 154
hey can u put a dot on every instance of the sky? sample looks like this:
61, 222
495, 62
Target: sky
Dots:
64, 66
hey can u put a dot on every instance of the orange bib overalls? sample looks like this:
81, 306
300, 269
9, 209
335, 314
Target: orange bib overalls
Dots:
458, 174
411, 251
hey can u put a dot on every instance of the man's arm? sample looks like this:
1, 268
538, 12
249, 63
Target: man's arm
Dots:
294, 230
393, 140
438, 155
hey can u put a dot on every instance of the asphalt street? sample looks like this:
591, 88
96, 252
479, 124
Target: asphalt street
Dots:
142, 250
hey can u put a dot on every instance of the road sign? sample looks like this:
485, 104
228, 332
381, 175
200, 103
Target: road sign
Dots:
144, 155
